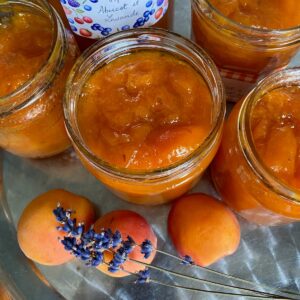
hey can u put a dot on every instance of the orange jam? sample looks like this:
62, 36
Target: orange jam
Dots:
248, 36
34, 64
274, 124
144, 112
25, 46
267, 14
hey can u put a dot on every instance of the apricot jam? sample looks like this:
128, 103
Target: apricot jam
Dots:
144, 119
25, 45
248, 36
275, 127
35, 57
257, 169
266, 14
145, 111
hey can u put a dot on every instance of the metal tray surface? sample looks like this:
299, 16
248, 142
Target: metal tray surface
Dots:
266, 255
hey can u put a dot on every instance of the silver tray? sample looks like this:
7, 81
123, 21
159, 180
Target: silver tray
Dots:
268, 256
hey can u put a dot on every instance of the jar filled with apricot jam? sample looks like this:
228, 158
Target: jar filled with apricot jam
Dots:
36, 55
257, 168
247, 38
145, 110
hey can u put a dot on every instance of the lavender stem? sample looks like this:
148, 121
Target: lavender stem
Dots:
231, 277
268, 295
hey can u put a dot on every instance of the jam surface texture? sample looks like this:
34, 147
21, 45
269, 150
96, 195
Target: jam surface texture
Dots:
144, 111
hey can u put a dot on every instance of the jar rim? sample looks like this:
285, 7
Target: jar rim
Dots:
139, 38
277, 79
55, 23
249, 30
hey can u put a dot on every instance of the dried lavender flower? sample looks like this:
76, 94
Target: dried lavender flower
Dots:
116, 239
146, 248
128, 245
112, 268
80, 251
107, 241
187, 260
61, 214
96, 258
143, 276
120, 256
69, 243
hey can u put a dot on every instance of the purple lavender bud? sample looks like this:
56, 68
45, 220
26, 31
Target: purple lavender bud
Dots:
61, 214
128, 245
187, 260
146, 248
85, 255
107, 239
88, 236
107, 234
69, 243
72, 226
116, 239
99, 239
81, 252
97, 259
120, 256
113, 269
66, 228
77, 250
144, 276
80, 229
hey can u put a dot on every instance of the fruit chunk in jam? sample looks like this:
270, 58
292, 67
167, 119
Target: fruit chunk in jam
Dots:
145, 111
275, 126
267, 14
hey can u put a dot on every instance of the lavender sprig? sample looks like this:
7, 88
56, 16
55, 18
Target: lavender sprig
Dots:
147, 248
90, 245
143, 276
116, 239
128, 245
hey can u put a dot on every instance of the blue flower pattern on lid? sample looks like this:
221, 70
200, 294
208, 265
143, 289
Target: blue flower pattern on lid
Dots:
97, 19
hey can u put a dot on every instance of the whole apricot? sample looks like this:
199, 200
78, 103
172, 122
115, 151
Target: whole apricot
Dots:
4, 293
37, 232
203, 228
128, 223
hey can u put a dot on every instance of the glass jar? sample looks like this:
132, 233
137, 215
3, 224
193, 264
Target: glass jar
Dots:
240, 176
243, 54
85, 18
155, 186
31, 115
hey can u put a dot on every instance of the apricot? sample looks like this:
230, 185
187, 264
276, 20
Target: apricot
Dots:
4, 293
37, 234
130, 224
203, 228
